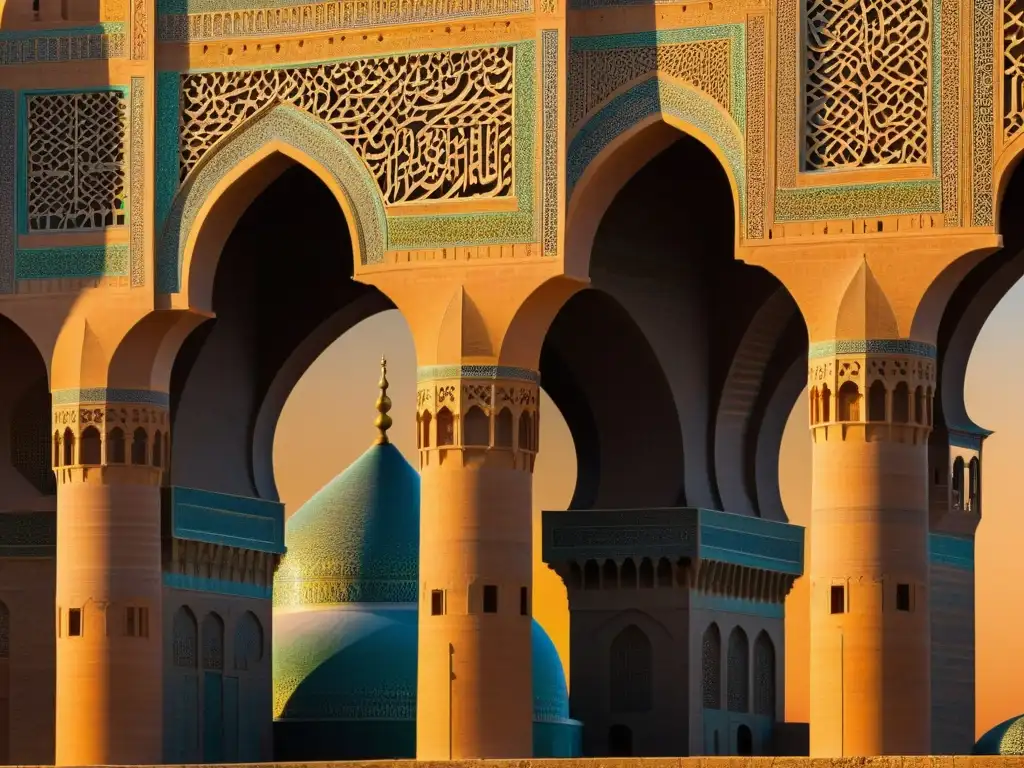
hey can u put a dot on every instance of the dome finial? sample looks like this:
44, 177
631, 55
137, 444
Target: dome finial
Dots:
383, 421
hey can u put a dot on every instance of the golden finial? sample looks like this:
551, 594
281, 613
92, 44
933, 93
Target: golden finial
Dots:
383, 421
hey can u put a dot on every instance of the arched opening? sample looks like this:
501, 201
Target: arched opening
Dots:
476, 428
744, 740
764, 676
631, 671
425, 426
664, 572
575, 576
68, 443
183, 738
591, 575
711, 667
91, 447
620, 741
248, 642
815, 405
876, 401
973, 484
646, 577
140, 447
212, 638
826, 403
901, 404
849, 401
158, 449
627, 575
738, 675
609, 575
503, 429
445, 428
115, 446
919, 406
956, 483
525, 432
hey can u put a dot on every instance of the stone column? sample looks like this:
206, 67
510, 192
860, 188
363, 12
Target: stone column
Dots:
110, 447
477, 439
871, 414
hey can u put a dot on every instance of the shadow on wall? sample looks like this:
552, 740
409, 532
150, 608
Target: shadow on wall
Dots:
32, 14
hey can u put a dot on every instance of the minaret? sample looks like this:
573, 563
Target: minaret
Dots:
383, 421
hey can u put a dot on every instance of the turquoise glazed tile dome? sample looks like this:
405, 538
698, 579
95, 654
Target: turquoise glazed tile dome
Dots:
346, 623
1007, 738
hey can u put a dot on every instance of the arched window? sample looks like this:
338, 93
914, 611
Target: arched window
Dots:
744, 740
973, 484
901, 404
956, 484
738, 681
711, 667
185, 639
646, 573
426, 429
764, 676
591, 575
876, 401
158, 449
826, 403
610, 575
248, 642
56, 449
664, 572
849, 402
213, 642
919, 415
140, 443
69, 447
575, 576
815, 406
90, 450
115, 446
445, 428
631, 671
628, 574
503, 429
476, 428
525, 438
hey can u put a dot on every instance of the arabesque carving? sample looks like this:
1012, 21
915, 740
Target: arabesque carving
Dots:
76, 160
867, 83
1013, 67
430, 126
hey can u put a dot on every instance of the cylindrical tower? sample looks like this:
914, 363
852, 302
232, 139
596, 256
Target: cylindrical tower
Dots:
870, 413
108, 454
477, 438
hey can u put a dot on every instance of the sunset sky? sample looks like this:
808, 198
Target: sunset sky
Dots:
344, 379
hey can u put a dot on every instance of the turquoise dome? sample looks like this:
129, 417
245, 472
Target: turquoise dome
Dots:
358, 539
1007, 738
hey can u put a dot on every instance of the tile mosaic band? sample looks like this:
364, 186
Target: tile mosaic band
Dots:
430, 372
104, 395
871, 347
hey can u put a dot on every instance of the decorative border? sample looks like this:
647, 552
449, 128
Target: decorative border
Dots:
765, 610
951, 551
22, 172
97, 395
137, 181
982, 127
299, 130
949, 112
432, 372
140, 30
871, 347
736, 34
793, 203
104, 41
651, 97
217, 586
73, 262
8, 189
184, 21
549, 134
756, 127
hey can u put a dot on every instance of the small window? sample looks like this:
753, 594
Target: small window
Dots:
143, 622
129, 622
75, 622
437, 602
838, 599
490, 598
902, 597
524, 601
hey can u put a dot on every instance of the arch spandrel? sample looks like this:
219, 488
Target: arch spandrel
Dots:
279, 130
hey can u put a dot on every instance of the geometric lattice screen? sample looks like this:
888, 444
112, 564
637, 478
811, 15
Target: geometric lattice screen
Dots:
76, 161
866, 95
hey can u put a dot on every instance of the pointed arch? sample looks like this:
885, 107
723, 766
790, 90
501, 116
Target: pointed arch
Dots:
248, 642
90, 449
764, 676
185, 639
606, 151
208, 204
631, 671
711, 667
476, 428
738, 674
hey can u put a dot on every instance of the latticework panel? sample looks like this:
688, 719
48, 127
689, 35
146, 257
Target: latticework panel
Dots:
76, 161
867, 83
1013, 67
185, 638
213, 642
430, 126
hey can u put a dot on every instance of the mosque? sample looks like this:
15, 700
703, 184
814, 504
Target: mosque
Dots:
308, 651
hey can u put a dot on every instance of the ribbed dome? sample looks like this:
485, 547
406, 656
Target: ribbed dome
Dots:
357, 539
1007, 738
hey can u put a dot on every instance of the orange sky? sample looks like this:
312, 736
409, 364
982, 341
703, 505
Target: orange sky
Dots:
328, 422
